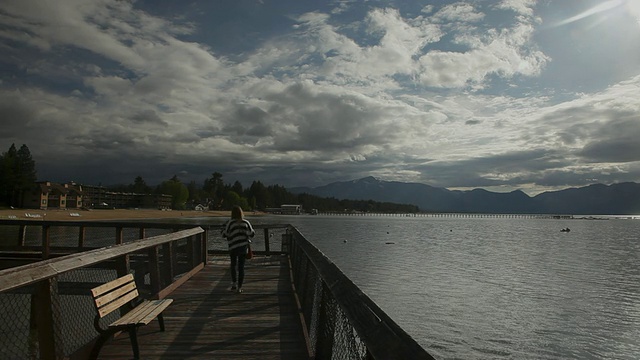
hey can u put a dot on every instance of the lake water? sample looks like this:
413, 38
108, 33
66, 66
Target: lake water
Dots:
491, 288
495, 288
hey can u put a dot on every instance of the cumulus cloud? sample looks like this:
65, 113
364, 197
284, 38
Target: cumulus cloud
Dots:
444, 94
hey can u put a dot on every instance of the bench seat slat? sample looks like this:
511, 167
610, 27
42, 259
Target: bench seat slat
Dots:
143, 313
160, 305
106, 287
115, 294
109, 308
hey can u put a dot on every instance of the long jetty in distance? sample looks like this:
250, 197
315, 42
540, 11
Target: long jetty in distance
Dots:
449, 215
296, 303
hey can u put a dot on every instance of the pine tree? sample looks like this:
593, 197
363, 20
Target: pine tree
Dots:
17, 174
7, 174
214, 189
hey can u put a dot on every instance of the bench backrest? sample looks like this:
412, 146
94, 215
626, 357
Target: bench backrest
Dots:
112, 295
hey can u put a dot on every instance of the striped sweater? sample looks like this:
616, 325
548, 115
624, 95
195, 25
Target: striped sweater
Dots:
237, 232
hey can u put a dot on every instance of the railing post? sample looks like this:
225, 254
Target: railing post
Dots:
81, 235
46, 317
123, 266
22, 235
46, 242
154, 271
140, 270
168, 262
191, 259
119, 235
204, 238
286, 242
266, 241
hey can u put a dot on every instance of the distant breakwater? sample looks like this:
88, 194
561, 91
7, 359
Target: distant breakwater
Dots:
451, 215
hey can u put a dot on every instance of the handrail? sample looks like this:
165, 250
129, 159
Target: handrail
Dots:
53, 287
31, 273
332, 307
383, 337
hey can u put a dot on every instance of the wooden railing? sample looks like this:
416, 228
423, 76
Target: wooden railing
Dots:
58, 324
342, 322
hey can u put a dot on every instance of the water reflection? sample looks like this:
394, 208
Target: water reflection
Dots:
496, 288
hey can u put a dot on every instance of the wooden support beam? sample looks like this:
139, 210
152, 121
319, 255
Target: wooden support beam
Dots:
154, 270
191, 251
266, 242
119, 236
168, 263
204, 238
47, 315
22, 235
81, 235
46, 242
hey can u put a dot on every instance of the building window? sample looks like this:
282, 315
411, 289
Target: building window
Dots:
62, 202
44, 201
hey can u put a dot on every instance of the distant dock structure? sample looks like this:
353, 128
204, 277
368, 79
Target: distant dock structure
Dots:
286, 209
452, 215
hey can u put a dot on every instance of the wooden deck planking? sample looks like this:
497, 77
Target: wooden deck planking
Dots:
206, 321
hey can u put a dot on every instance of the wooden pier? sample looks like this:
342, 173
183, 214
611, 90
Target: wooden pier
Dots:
296, 303
206, 321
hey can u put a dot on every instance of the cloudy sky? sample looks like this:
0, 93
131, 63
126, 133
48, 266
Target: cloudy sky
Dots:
501, 95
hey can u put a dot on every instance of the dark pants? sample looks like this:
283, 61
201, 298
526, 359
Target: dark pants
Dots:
237, 260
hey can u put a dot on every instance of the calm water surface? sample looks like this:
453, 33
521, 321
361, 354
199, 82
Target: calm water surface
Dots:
488, 288
493, 288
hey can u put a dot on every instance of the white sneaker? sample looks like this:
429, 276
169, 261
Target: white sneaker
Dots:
233, 287
239, 290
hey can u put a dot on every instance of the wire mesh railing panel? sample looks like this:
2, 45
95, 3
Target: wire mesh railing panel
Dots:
346, 342
182, 256
311, 314
343, 323
76, 309
15, 310
97, 237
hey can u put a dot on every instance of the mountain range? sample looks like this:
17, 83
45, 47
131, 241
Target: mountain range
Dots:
596, 199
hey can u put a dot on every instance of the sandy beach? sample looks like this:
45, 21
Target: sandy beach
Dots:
107, 214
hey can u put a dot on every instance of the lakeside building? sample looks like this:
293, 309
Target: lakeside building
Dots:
48, 195
100, 198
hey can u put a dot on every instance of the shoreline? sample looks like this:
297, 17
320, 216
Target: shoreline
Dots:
105, 214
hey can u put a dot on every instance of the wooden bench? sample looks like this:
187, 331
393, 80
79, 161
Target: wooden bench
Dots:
123, 293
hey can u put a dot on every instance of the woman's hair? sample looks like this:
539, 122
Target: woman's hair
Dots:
236, 213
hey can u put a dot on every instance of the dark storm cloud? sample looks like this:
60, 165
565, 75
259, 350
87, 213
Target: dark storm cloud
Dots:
618, 141
148, 116
248, 121
14, 114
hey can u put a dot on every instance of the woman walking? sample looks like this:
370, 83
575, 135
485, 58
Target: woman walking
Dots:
238, 232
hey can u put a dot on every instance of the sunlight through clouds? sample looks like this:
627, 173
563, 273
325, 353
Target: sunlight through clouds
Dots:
441, 92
